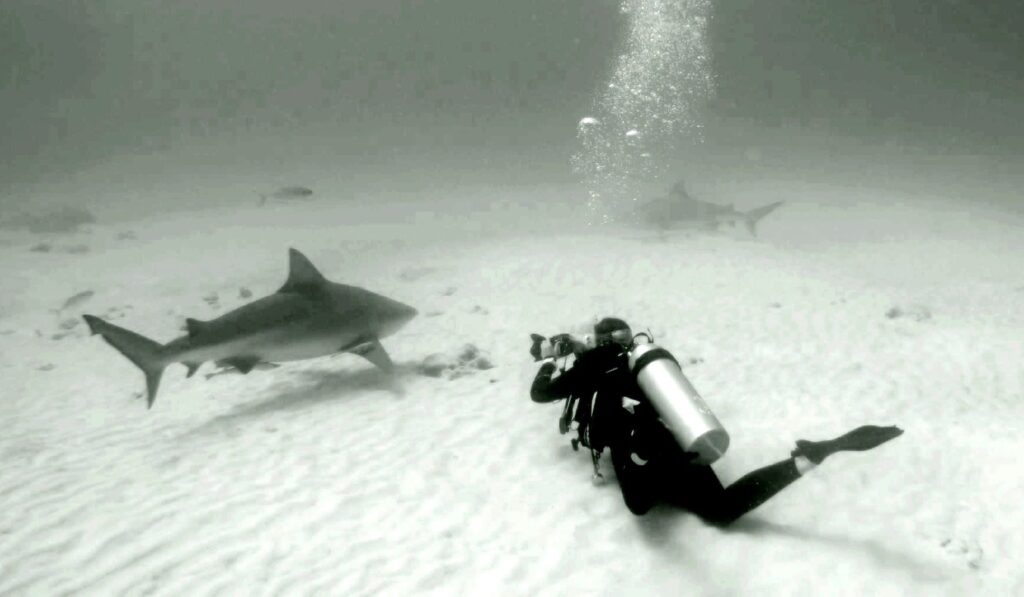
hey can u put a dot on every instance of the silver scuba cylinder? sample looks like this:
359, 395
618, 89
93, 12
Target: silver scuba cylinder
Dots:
681, 408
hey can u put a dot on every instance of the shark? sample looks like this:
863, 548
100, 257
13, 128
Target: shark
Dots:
679, 210
308, 317
294, 192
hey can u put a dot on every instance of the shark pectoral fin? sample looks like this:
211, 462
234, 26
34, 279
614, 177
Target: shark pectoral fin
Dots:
243, 364
194, 326
373, 351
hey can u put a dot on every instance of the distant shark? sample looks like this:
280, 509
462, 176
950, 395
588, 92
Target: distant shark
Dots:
286, 193
306, 318
679, 210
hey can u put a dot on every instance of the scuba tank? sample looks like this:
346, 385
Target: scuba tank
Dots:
681, 408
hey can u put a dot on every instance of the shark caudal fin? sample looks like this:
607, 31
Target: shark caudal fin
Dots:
145, 353
752, 217
263, 198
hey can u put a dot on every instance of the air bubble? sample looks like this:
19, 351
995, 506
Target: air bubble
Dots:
658, 82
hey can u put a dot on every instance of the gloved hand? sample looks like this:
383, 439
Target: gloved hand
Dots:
543, 348
537, 349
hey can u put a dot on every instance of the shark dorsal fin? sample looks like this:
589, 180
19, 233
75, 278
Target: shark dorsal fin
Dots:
194, 327
302, 274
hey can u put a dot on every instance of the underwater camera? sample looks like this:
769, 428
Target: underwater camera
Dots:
559, 345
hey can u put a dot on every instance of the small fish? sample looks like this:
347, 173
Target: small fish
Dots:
286, 193
74, 301
76, 249
227, 370
70, 323
61, 220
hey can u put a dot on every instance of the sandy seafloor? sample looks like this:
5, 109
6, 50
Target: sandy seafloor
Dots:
321, 477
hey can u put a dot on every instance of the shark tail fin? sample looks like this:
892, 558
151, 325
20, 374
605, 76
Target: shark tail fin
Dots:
752, 217
263, 198
145, 353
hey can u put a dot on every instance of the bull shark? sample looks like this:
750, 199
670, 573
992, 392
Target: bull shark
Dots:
306, 318
678, 210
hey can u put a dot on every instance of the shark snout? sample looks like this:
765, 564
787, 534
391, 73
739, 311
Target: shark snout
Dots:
408, 315
396, 318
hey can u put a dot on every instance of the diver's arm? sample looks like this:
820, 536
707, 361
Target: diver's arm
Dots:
546, 389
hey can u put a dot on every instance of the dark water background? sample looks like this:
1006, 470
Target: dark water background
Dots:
393, 95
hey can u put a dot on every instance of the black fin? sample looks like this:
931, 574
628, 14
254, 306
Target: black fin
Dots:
860, 439
302, 274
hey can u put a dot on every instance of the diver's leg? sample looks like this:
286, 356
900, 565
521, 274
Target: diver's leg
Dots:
635, 480
635, 458
722, 506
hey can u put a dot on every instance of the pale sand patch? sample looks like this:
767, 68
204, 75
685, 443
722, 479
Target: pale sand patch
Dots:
320, 476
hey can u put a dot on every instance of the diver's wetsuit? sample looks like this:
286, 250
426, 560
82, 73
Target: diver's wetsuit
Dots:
599, 379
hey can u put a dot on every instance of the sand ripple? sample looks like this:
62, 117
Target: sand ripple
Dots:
321, 478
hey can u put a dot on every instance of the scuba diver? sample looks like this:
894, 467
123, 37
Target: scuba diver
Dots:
608, 408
